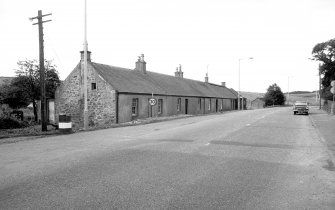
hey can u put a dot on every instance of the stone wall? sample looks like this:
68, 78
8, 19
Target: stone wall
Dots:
68, 99
101, 101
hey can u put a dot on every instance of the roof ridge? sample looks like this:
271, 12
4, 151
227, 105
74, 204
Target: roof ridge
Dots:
152, 72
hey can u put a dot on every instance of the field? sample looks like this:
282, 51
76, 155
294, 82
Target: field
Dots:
294, 96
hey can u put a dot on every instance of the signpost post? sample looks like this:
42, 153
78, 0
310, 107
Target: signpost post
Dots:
152, 102
332, 90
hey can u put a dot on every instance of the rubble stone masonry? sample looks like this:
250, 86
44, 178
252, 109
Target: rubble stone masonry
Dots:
101, 101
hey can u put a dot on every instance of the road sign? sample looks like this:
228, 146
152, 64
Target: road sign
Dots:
332, 89
152, 101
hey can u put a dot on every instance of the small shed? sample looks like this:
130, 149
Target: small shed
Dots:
258, 103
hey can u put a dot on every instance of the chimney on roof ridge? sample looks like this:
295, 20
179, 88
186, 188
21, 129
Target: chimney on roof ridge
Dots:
223, 84
206, 78
141, 64
178, 72
88, 55
181, 74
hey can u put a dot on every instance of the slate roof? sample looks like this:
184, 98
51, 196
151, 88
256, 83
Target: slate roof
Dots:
134, 81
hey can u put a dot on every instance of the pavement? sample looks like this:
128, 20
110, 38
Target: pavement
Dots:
325, 125
254, 159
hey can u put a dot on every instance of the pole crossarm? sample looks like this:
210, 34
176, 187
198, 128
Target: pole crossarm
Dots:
42, 22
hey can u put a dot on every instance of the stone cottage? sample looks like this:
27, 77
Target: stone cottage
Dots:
118, 95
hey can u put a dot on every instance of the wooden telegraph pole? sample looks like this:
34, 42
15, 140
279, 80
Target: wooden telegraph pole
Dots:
42, 71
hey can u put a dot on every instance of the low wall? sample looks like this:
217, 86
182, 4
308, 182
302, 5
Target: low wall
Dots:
327, 106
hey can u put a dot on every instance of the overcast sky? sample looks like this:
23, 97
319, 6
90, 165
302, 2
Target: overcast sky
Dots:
200, 35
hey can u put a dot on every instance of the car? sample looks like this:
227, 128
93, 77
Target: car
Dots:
300, 107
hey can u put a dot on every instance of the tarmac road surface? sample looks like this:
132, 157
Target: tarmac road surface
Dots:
258, 159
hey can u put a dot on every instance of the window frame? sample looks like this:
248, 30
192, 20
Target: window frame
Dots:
134, 107
93, 86
160, 106
179, 104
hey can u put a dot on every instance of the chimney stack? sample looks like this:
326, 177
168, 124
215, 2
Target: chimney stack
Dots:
181, 74
141, 64
88, 56
178, 72
223, 84
206, 78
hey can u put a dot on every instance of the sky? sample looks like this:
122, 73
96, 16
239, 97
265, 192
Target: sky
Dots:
214, 36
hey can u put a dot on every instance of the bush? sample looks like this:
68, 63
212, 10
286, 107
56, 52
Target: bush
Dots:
11, 123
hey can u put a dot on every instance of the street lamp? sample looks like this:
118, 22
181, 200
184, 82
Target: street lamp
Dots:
239, 81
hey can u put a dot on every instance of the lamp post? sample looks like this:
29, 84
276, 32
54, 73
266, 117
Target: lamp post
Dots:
288, 90
239, 82
274, 93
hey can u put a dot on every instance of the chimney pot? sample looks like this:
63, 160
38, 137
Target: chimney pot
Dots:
179, 73
223, 84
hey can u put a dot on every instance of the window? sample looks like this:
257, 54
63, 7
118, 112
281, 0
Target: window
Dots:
178, 104
209, 105
93, 86
160, 106
134, 107
199, 102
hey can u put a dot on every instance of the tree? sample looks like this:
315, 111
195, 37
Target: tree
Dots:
28, 80
325, 53
14, 96
274, 96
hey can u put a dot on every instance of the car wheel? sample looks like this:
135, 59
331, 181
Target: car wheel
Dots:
294, 113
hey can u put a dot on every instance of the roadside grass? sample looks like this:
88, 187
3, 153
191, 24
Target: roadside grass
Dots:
31, 131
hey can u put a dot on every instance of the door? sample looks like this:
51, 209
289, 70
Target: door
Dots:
186, 106
216, 105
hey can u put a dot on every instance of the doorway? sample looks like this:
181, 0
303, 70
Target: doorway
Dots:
186, 106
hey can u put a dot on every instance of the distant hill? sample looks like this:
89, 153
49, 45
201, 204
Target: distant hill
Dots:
5, 80
300, 92
309, 97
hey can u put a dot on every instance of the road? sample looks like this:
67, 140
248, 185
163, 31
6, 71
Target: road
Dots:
258, 159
